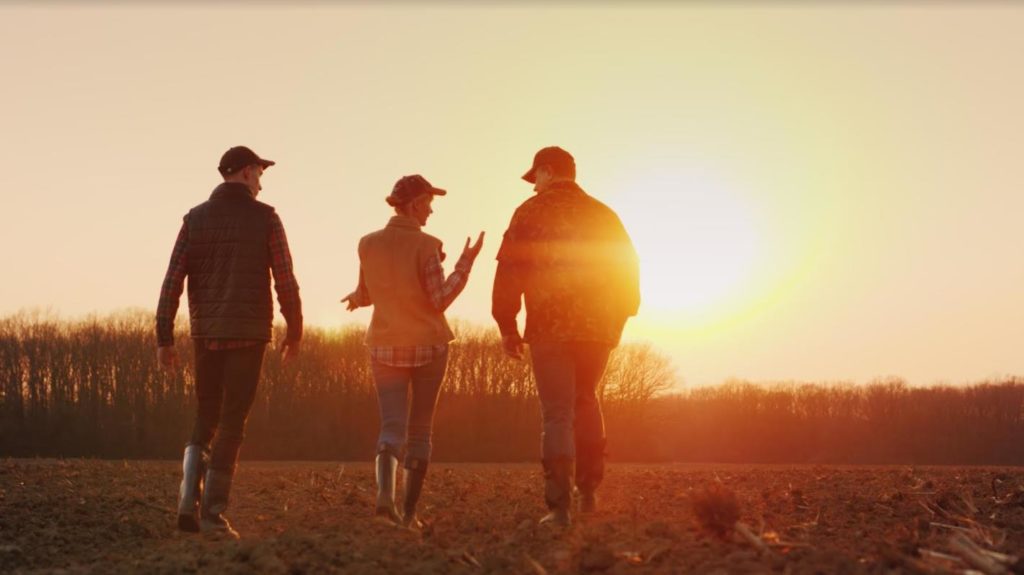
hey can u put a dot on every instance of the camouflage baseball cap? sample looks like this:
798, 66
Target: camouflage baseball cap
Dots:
550, 156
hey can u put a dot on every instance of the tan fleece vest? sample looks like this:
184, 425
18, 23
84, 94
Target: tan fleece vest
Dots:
391, 261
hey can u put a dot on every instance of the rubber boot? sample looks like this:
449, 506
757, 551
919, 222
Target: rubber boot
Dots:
193, 467
415, 474
215, 503
558, 490
588, 501
387, 468
589, 473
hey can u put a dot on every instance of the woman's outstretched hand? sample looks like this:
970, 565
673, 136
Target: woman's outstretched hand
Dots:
473, 250
351, 300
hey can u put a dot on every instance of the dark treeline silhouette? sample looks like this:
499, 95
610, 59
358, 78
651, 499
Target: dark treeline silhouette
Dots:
92, 388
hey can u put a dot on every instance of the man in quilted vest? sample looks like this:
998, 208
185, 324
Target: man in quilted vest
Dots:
228, 248
568, 256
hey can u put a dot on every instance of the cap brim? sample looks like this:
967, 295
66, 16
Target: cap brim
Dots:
531, 176
438, 191
265, 163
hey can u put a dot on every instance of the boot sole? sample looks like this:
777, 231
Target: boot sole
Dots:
218, 533
188, 523
556, 520
387, 515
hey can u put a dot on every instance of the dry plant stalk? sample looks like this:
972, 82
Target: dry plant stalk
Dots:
749, 537
976, 556
968, 501
535, 566
934, 561
948, 526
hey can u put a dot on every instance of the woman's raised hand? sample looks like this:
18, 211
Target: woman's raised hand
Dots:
473, 250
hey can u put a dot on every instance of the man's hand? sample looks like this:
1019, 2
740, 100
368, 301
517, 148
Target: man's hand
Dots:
513, 346
351, 299
289, 350
473, 250
167, 357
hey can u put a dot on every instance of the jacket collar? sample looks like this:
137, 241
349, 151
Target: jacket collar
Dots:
405, 222
231, 190
563, 186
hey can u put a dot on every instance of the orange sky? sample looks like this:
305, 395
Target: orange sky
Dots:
817, 192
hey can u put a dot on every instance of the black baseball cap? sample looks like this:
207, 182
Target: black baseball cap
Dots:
409, 187
550, 156
238, 158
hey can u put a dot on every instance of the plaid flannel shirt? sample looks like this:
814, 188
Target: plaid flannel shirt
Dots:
442, 292
284, 283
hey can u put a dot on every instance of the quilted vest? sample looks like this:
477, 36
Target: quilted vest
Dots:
229, 266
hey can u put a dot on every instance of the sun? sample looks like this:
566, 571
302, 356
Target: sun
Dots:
697, 240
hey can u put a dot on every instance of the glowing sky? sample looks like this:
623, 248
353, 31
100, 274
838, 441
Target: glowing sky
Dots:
817, 193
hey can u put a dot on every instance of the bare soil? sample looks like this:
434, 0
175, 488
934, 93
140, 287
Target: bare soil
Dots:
84, 516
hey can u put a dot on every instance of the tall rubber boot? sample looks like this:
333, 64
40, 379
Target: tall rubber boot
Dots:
387, 468
193, 467
215, 503
589, 472
558, 490
415, 475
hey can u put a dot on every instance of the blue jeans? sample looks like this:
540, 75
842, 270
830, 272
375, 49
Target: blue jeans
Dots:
567, 375
404, 422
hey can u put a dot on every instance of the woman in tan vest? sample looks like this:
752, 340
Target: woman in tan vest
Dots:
401, 276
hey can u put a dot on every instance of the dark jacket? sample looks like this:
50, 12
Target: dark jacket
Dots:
568, 256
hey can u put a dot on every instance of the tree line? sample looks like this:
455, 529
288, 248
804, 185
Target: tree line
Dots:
92, 388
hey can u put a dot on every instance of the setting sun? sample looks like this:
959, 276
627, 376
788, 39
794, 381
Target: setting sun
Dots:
698, 242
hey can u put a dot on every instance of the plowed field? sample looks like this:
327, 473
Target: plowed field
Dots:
74, 516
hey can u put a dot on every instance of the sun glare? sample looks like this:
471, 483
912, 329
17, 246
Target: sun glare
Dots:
697, 241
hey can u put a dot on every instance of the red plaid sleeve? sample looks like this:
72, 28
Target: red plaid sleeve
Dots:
170, 291
442, 292
284, 279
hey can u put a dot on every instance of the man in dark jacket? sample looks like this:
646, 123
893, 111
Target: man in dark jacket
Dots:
569, 257
228, 247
